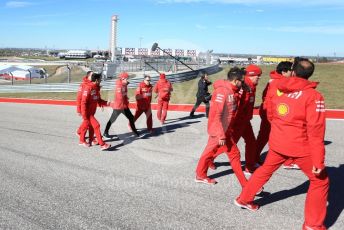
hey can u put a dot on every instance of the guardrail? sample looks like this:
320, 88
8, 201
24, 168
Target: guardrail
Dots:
106, 85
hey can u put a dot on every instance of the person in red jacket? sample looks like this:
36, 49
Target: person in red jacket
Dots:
222, 110
85, 81
89, 102
242, 124
283, 70
121, 104
163, 88
143, 97
297, 117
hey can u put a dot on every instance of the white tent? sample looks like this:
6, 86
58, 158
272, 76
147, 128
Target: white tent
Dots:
21, 72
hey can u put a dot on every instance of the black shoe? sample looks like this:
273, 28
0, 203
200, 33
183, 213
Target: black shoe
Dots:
106, 135
192, 114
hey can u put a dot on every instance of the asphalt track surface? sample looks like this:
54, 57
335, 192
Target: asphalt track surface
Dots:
48, 181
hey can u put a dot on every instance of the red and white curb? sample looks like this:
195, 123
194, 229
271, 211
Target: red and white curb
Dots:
330, 113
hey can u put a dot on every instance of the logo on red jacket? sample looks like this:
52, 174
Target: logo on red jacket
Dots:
282, 109
279, 93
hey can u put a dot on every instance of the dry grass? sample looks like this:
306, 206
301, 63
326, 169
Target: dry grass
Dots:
329, 76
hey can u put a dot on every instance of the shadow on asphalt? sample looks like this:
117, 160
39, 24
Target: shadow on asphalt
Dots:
127, 138
327, 142
223, 173
335, 198
169, 121
167, 129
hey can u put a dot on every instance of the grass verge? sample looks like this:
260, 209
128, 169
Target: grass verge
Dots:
329, 75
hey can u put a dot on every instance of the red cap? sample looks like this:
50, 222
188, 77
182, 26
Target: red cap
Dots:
123, 75
162, 76
253, 70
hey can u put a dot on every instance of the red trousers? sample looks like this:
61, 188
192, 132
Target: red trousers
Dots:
263, 138
245, 130
263, 135
79, 129
92, 124
162, 110
315, 205
212, 150
148, 113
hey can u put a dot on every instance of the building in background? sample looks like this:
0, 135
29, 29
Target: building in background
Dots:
21, 72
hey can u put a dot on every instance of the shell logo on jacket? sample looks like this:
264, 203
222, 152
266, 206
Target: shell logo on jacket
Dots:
298, 120
282, 109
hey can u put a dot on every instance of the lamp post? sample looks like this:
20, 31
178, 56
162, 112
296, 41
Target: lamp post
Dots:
156, 46
11, 77
30, 74
68, 78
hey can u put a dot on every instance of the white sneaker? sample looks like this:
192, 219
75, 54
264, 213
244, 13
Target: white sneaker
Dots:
291, 166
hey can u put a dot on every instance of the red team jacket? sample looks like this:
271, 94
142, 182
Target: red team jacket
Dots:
90, 100
84, 82
143, 96
270, 90
121, 98
246, 103
163, 87
298, 120
222, 109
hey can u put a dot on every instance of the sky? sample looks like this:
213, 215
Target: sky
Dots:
262, 27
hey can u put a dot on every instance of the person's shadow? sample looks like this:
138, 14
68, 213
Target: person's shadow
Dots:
115, 142
225, 172
335, 196
169, 121
166, 128
127, 138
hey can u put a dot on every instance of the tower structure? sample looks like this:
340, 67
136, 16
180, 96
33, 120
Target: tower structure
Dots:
113, 37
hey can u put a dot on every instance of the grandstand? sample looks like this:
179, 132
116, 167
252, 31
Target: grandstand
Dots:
78, 54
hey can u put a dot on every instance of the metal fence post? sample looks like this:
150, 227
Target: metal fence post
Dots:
12, 77
68, 79
30, 75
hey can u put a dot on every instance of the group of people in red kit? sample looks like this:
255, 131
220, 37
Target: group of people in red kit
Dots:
88, 98
292, 124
